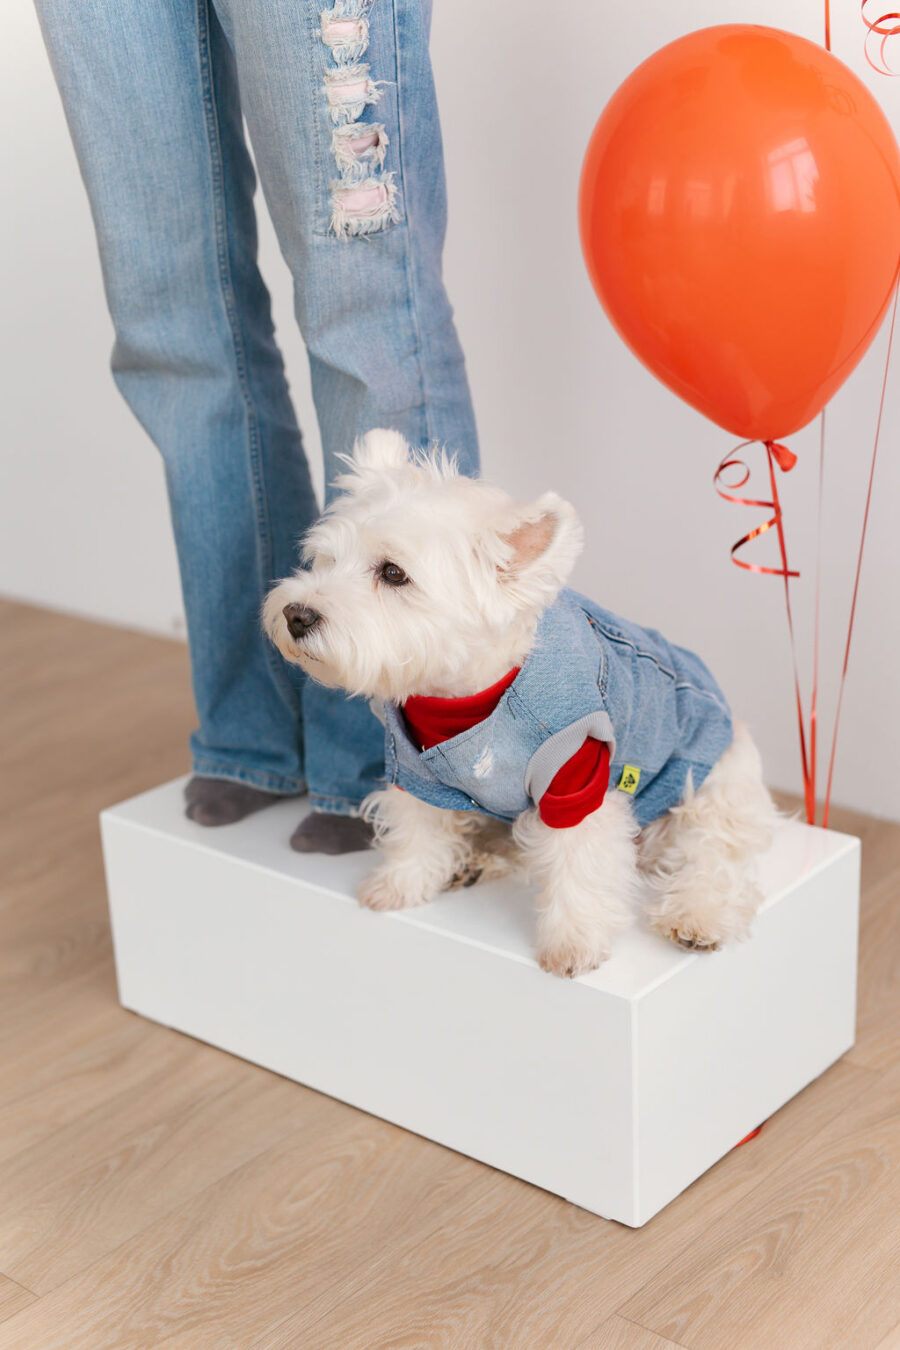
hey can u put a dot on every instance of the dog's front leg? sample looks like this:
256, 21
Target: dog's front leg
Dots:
586, 876
422, 848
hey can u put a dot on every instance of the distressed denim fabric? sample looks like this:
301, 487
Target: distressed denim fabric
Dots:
588, 674
342, 116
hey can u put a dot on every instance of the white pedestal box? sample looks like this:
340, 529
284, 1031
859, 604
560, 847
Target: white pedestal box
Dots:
615, 1090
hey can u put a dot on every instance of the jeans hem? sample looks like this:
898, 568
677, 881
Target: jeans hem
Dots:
337, 806
258, 778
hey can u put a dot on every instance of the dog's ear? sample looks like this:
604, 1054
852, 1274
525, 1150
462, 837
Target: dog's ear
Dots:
380, 449
529, 540
541, 548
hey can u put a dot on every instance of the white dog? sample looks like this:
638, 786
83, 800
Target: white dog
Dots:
610, 751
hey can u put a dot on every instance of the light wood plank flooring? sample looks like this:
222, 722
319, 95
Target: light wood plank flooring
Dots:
155, 1192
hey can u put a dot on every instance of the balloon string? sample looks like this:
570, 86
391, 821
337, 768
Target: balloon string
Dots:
809, 788
814, 697
780, 456
862, 545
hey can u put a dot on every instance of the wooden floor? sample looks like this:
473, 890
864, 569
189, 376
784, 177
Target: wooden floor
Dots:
155, 1192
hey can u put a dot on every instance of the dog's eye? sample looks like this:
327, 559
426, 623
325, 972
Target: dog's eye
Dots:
391, 574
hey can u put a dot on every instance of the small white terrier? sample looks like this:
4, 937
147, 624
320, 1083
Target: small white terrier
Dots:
424, 587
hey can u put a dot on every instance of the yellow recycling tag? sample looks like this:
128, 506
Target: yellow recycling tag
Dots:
631, 776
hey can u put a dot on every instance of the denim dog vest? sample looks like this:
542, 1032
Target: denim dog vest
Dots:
588, 673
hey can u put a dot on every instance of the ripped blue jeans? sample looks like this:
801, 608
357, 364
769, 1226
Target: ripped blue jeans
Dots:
341, 112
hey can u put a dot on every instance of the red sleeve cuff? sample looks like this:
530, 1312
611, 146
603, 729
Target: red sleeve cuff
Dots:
578, 788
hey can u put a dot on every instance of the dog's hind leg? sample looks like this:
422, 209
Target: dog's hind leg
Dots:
587, 877
699, 859
421, 849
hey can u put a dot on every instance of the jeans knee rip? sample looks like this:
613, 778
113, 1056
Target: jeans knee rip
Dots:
363, 207
363, 196
348, 38
359, 149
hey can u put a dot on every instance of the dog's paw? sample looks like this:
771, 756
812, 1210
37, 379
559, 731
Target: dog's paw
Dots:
693, 942
693, 933
569, 959
385, 891
701, 927
468, 875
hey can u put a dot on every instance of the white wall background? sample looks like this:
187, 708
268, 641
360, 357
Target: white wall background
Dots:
561, 403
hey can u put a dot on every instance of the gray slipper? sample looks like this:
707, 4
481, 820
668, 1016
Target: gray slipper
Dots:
321, 832
217, 801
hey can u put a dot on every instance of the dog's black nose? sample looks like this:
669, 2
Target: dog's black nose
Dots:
300, 619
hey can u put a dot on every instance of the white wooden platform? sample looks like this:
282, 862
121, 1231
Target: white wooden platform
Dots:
616, 1090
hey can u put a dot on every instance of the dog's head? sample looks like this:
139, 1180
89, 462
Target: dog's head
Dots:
419, 580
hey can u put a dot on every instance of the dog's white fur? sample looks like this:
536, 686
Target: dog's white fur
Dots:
481, 571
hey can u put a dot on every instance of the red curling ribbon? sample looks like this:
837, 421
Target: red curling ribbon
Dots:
779, 456
885, 27
785, 459
862, 545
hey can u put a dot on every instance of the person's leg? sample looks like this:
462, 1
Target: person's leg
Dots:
343, 119
150, 94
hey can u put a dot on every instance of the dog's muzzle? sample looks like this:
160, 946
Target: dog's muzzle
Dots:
300, 620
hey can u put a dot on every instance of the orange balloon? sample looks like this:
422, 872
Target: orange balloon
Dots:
740, 219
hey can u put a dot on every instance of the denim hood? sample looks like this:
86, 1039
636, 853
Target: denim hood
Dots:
589, 673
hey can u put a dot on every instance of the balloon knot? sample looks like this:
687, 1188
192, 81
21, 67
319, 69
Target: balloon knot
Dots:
784, 458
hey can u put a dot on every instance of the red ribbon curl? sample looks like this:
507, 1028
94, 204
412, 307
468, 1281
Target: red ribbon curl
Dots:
779, 456
885, 27
785, 459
